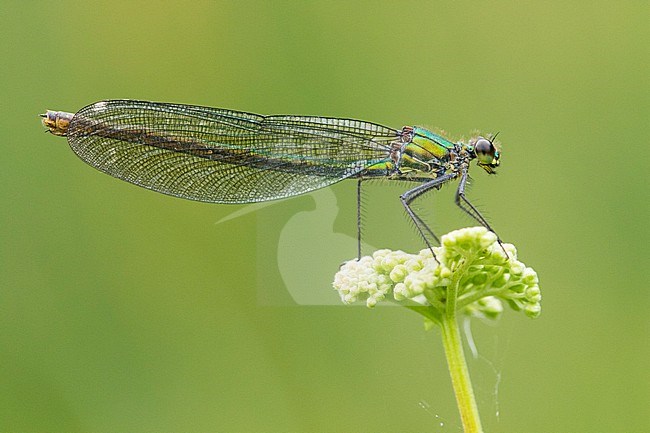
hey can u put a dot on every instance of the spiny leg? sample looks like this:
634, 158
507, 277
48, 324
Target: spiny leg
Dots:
409, 196
470, 209
465, 205
359, 219
426, 227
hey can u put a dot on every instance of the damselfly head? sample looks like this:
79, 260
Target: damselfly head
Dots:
486, 154
57, 122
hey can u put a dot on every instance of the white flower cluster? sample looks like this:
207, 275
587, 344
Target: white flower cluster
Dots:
472, 262
371, 279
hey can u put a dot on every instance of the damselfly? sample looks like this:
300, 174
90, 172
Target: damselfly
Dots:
225, 156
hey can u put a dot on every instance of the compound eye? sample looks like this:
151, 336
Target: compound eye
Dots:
485, 150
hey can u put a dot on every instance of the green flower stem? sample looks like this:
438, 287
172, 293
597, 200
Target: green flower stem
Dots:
456, 363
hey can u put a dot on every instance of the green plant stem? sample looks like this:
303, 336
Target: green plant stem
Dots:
458, 370
460, 377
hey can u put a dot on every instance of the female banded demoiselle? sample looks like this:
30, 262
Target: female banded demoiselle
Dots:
225, 156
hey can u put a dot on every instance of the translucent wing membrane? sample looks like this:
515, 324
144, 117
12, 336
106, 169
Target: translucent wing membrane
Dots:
223, 156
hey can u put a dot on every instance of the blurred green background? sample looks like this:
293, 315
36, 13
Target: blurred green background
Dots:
126, 310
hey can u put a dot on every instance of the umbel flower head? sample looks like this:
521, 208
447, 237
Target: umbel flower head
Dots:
472, 264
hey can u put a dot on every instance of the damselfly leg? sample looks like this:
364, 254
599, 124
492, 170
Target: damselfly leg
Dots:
409, 196
470, 209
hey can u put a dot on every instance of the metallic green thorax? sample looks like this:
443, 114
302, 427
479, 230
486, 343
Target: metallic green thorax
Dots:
421, 153
427, 147
431, 143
